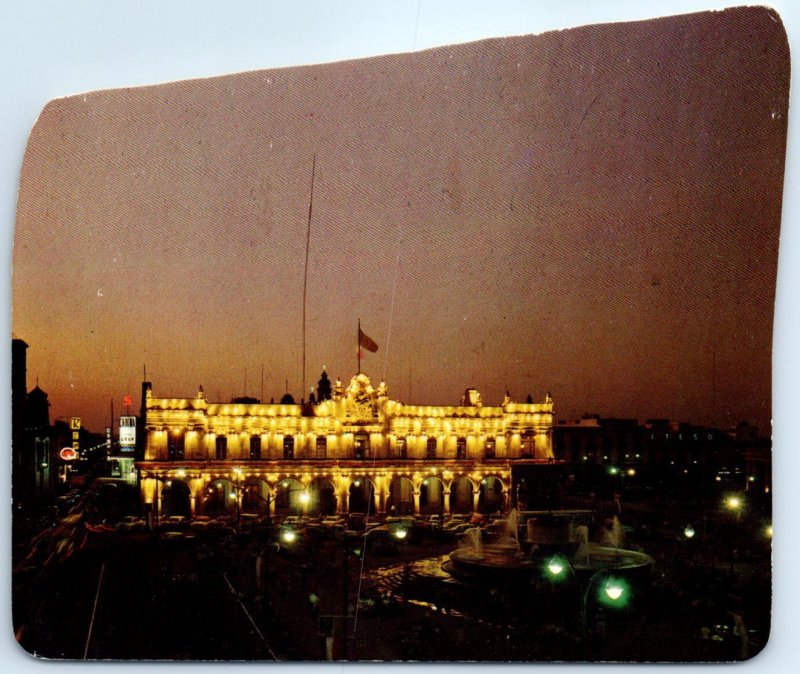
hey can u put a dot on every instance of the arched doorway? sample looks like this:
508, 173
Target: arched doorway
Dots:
220, 498
490, 495
431, 496
461, 499
176, 499
323, 497
401, 497
288, 497
361, 497
255, 496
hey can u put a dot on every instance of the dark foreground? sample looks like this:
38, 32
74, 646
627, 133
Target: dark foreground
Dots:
243, 597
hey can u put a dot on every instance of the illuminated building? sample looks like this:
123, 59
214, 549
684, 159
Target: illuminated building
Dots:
354, 451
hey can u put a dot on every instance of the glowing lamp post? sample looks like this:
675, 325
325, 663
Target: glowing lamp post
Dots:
305, 499
735, 504
288, 535
689, 531
602, 586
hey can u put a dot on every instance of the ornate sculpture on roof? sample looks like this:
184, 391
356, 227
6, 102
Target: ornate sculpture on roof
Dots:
324, 386
472, 398
361, 402
338, 389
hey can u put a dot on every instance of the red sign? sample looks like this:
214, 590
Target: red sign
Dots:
127, 400
68, 454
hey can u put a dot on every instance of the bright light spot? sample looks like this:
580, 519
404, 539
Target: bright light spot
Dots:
718, 478
614, 591
689, 531
231, 496
734, 502
400, 534
288, 536
752, 478
357, 483
555, 567
305, 497
613, 470
631, 472
769, 531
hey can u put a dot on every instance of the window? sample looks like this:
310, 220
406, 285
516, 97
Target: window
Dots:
255, 447
528, 446
461, 448
490, 444
361, 446
222, 447
430, 452
402, 448
288, 447
175, 447
322, 447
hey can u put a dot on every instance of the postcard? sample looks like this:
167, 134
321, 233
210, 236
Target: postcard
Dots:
455, 355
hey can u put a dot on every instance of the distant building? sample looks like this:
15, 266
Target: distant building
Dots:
355, 450
31, 442
660, 451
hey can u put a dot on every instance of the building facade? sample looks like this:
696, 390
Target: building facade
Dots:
355, 451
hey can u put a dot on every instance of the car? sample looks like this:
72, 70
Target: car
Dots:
434, 523
356, 522
293, 521
174, 522
131, 523
331, 521
200, 523
454, 521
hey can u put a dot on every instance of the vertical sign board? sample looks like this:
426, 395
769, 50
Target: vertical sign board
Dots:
75, 427
127, 433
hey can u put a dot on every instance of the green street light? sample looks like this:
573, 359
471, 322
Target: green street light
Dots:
615, 591
557, 568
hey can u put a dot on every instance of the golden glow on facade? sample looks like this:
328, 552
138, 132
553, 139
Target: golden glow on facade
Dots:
358, 445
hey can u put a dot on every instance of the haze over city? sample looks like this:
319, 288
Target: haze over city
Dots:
593, 213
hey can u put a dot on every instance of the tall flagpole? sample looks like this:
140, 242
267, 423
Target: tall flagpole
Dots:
305, 273
358, 348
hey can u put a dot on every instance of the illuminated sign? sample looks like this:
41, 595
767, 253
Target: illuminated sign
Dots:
127, 433
75, 423
68, 454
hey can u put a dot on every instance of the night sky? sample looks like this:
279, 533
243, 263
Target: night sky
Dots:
592, 212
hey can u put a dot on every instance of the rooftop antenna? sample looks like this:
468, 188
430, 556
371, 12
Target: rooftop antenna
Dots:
305, 272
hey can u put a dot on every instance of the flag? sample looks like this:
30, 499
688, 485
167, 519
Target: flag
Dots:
367, 342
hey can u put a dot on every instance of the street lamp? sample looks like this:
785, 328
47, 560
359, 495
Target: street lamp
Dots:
735, 504
612, 592
288, 535
689, 531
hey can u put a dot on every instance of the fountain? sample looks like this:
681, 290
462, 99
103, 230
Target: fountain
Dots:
505, 561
